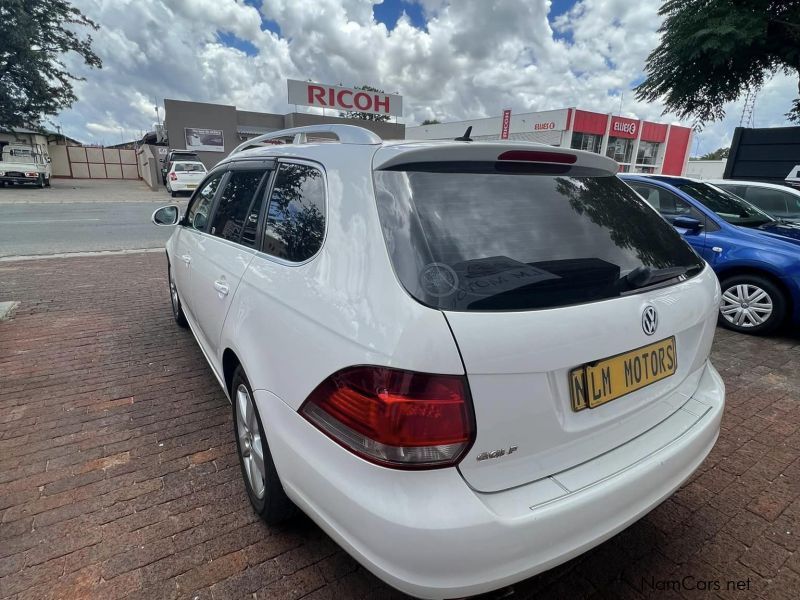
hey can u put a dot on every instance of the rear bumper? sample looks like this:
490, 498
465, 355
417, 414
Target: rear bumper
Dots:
177, 186
430, 535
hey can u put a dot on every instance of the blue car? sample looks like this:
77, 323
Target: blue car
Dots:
756, 257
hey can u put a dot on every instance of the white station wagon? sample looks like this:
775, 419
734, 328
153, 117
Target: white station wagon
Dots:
468, 362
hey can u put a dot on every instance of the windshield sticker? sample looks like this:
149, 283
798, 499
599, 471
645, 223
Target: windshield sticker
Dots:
437, 279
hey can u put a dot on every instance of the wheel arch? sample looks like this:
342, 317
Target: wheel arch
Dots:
230, 360
737, 270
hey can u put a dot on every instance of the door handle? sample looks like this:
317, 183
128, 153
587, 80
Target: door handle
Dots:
221, 287
186, 258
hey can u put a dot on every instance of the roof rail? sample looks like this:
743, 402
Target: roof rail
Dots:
347, 134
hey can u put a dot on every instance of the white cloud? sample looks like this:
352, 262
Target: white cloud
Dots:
473, 59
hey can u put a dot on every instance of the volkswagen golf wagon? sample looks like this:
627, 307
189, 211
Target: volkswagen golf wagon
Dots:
467, 362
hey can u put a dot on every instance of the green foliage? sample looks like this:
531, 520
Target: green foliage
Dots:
431, 122
36, 34
352, 114
712, 51
717, 154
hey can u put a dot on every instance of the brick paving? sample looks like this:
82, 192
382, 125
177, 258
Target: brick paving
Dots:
119, 476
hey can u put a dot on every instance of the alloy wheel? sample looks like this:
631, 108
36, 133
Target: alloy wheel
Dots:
250, 444
746, 305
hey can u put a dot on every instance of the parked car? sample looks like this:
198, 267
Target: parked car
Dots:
184, 176
467, 362
24, 164
778, 201
174, 155
756, 257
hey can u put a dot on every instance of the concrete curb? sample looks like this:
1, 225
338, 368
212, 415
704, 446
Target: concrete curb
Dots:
5, 259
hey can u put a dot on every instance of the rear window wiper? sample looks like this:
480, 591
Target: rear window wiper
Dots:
643, 276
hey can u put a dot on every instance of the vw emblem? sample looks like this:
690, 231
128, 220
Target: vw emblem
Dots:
649, 320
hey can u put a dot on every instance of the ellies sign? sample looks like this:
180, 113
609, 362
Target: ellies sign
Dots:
624, 128
342, 98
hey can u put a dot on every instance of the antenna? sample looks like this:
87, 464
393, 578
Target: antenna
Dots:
746, 119
465, 137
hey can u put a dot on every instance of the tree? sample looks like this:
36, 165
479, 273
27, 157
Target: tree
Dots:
352, 114
35, 35
713, 51
717, 154
431, 122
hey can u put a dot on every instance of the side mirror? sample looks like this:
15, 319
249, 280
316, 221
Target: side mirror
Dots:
690, 224
166, 215
199, 221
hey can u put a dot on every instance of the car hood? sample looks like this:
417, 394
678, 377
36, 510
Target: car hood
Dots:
782, 233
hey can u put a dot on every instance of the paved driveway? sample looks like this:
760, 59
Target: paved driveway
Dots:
118, 473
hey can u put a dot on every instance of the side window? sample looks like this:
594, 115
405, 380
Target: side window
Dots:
250, 229
234, 204
772, 202
296, 215
794, 204
667, 203
737, 190
200, 206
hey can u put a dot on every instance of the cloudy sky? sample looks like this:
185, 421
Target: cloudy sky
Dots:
450, 60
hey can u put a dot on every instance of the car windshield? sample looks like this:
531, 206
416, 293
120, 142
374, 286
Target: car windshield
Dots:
482, 241
730, 207
18, 155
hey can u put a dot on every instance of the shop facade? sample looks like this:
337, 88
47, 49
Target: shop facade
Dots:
639, 146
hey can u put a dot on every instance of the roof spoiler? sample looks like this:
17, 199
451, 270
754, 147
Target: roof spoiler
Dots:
345, 134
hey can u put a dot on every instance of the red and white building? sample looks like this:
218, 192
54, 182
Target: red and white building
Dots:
639, 146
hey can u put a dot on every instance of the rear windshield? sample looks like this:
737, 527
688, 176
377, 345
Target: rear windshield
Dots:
189, 167
483, 241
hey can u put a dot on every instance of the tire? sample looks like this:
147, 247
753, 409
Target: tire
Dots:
263, 485
751, 304
47, 182
175, 301
40, 181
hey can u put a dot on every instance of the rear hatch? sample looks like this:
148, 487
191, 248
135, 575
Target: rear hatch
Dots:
190, 174
582, 318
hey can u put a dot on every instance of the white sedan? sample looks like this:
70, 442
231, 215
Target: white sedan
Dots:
185, 176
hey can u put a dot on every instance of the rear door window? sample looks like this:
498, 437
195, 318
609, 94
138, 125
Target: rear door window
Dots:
483, 241
235, 202
295, 224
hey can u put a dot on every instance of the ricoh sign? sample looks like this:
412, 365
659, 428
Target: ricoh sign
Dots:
341, 98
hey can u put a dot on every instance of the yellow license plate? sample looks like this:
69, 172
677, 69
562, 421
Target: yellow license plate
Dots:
191, 186
596, 383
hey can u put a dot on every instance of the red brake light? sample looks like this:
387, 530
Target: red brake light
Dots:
172, 176
538, 156
395, 418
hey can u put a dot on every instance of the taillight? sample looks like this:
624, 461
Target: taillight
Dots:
31, 174
539, 156
395, 418
172, 176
